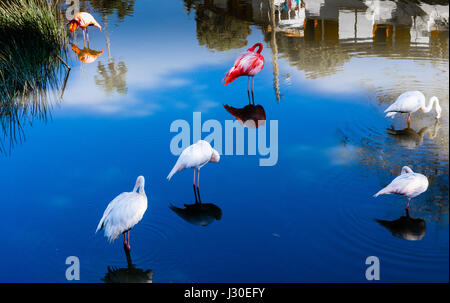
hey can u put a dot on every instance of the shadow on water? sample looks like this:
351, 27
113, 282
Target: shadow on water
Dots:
198, 213
411, 139
251, 115
33, 74
405, 227
129, 274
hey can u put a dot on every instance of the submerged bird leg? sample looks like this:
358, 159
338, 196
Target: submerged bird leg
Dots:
198, 193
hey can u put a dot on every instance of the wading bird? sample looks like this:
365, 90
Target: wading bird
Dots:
124, 212
409, 184
83, 20
195, 156
410, 102
248, 64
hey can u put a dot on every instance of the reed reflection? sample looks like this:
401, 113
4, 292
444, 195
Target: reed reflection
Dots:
129, 274
405, 227
411, 139
200, 214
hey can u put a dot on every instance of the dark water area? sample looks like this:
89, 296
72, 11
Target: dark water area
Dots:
331, 69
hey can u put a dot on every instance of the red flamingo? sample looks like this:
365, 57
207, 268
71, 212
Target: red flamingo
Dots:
83, 20
248, 64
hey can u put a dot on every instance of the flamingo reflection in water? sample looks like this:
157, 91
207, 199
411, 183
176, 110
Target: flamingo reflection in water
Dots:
86, 55
251, 115
411, 139
405, 227
198, 213
129, 274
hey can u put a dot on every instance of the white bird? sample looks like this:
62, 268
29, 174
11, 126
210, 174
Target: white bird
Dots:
409, 184
195, 156
124, 212
410, 102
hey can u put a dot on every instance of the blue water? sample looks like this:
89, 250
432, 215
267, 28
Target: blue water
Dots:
309, 218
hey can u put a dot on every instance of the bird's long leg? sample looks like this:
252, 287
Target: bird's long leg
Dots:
198, 190
409, 119
248, 84
253, 95
125, 244
407, 204
193, 185
84, 37
128, 240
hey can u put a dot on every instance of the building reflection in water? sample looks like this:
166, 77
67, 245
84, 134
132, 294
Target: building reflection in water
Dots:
319, 37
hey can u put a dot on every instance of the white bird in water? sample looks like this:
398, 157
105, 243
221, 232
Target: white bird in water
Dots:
412, 101
409, 184
195, 156
124, 212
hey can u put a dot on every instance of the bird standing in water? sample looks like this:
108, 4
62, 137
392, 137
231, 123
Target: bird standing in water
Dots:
124, 212
410, 102
83, 20
195, 156
409, 184
248, 64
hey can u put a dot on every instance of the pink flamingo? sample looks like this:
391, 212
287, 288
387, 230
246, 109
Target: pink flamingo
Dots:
83, 20
248, 64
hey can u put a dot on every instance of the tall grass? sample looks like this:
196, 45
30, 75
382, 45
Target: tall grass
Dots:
32, 36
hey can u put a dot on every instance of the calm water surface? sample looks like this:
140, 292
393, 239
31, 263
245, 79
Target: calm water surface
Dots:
330, 71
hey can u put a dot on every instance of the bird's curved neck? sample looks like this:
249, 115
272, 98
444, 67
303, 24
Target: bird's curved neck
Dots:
429, 107
260, 48
140, 187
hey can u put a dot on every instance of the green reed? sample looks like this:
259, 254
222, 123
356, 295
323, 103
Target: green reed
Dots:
33, 39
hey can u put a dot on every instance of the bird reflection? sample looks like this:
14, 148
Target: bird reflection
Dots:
411, 139
86, 55
250, 116
198, 213
405, 227
129, 274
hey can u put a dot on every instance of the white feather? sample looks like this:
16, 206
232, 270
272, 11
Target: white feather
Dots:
407, 102
409, 184
125, 211
195, 156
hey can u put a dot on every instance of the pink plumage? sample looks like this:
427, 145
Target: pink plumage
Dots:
248, 64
